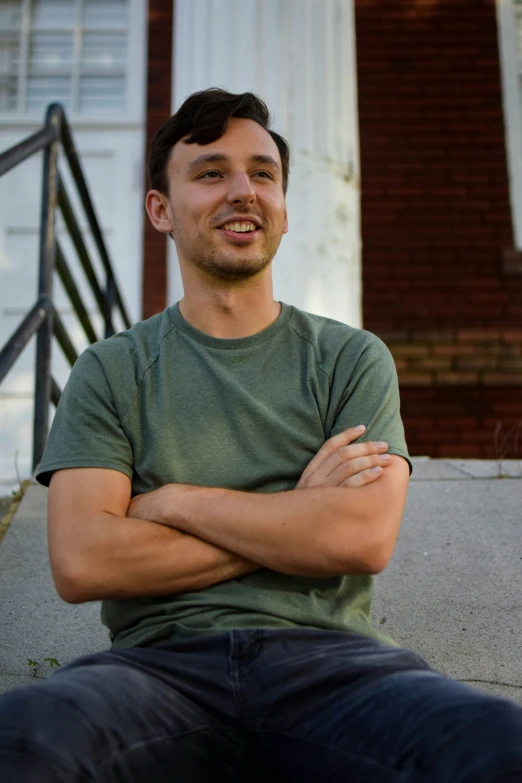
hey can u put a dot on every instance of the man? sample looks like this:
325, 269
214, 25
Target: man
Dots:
227, 477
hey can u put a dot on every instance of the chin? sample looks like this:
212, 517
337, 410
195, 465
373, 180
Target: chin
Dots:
230, 273
234, 269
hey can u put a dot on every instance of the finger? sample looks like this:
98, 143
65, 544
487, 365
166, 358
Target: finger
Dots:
352, 467
366, 477
345, 437
330, 446
347, 454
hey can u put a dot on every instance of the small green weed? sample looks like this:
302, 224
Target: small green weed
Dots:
35, 667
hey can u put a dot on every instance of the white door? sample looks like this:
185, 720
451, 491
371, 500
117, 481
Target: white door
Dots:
88, 55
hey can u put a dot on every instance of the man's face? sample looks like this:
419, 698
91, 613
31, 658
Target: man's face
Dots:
227, 201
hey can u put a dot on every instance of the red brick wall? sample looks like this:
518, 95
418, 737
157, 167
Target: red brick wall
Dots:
467, 422
159, 70
461, 391
436, 218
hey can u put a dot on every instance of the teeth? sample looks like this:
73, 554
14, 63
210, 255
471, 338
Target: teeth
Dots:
240, 227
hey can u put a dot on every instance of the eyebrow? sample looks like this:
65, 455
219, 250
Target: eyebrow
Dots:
219, 157
266, 160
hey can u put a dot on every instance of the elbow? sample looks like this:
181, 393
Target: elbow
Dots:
68, 585
351, 561
378, 561
70, 591
379, 554
365, 553
367, 562
73, 597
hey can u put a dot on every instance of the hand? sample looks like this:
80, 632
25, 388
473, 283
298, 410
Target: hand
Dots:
337, 464
148, 506
162, 505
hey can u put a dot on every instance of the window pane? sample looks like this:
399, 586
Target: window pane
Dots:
104, 50
102, 94
42, 90
8, 94
9, 63
51, 51
53, 13
10, 14
105, 13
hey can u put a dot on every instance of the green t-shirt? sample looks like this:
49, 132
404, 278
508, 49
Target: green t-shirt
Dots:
166, 403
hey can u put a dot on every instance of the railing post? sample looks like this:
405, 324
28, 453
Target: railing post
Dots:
110, 300
43, 385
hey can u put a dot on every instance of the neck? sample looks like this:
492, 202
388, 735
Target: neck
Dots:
230, 313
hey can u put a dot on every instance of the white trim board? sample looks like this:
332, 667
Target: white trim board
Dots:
511, 100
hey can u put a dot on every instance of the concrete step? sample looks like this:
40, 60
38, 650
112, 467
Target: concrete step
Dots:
452, 591
34, 621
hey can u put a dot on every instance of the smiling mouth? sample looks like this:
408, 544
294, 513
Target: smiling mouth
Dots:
237, 227
239, 230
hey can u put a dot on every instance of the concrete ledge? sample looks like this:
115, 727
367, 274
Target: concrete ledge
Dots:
427, 469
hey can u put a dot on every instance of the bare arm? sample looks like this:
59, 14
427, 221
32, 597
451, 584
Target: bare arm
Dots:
327, 528
321, 531
97, 552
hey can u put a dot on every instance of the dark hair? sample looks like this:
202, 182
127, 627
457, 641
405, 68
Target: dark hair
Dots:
204, 118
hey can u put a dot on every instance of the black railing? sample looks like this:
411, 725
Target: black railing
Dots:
43, 318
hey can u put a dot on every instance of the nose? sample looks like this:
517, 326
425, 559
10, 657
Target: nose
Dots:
240, 189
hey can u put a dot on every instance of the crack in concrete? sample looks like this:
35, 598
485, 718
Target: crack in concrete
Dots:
492, 682
466, 476
22, 674
461, 470
500, 472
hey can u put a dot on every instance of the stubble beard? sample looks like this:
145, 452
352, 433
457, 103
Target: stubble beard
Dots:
223, 266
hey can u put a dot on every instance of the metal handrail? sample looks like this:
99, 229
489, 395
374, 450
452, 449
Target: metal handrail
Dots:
43, 318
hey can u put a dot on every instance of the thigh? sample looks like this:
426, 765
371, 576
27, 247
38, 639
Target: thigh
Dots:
112, 717
341, 707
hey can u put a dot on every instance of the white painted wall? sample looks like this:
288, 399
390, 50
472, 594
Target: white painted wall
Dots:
299, 56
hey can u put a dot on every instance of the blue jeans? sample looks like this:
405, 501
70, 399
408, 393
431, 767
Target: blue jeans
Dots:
258, 705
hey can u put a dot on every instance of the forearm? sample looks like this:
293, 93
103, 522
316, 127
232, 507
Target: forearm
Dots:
304, 532
134, 558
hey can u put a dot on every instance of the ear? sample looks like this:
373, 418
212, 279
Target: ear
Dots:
158, 210
285, 224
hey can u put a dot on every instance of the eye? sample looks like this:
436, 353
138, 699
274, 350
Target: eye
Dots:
210, 174
265, 174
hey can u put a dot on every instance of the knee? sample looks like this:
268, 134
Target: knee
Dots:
44, 736
34, 712
501, 736
488, 746
501, 719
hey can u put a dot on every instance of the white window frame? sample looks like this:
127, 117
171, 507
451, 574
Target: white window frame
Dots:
136, 72
512, 104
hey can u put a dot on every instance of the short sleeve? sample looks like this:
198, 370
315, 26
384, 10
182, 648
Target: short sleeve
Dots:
368, 393
86, 431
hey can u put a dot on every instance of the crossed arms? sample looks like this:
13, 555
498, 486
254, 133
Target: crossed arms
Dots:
342, 518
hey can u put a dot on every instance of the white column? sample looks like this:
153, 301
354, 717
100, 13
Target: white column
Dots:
299, 57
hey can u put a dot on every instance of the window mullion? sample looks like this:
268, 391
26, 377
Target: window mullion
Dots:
77, 57
24, 54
